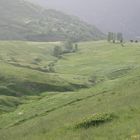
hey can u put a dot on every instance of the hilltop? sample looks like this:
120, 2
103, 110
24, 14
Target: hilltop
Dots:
22, 20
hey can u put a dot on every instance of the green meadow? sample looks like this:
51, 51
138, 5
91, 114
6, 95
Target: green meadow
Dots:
90, 94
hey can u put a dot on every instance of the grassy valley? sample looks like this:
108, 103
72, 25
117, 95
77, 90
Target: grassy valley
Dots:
25, 71
92, 94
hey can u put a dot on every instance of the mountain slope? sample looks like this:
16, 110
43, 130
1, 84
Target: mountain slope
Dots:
108, 15
115, 73
22, 20
26, 69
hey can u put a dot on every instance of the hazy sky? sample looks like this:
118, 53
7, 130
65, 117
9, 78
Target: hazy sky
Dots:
108, 15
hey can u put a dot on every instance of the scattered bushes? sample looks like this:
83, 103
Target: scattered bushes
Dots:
36, 61
95, 120
68, 47
134, 41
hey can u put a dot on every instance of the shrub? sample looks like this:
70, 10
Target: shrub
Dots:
36, 61
68, 45
57, 51
95, 120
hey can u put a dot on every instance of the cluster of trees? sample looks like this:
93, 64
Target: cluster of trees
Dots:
68, 47
115, 37
132, 41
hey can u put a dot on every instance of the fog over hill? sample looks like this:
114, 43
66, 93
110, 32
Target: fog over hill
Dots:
22, 20
108, 15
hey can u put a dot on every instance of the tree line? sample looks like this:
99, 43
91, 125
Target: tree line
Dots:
115, 37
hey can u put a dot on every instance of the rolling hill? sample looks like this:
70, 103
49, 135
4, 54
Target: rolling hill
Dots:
25, 71
106, 108
116, 16
21, 20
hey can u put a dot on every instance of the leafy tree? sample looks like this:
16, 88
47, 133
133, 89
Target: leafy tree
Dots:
114, 37
57, 51
120, 37
68, 45
109, 38
76, 47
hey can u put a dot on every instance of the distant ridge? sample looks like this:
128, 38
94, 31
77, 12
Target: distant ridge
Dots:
21, 20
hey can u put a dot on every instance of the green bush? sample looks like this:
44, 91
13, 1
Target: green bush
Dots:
95, 120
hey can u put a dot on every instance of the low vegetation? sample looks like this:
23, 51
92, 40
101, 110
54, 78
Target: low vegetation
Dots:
73, 101
95, 120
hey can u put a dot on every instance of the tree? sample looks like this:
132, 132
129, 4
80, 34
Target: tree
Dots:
76, 47
68, 45
120, 37
114, 37
109, 38
57, 51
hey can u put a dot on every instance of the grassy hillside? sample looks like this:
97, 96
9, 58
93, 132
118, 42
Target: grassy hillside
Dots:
107, 108
24, 70
21, 20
